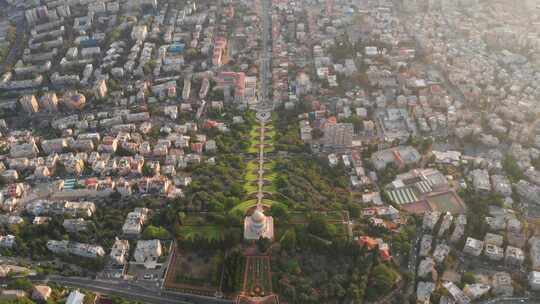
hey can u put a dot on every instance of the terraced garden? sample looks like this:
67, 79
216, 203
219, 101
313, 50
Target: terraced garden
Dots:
244, 206
257, 277
254, 141
251, 177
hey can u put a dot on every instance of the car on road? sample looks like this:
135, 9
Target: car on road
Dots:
147, 276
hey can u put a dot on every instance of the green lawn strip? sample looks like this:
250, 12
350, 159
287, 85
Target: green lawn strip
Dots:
334, 215
244, 206
268, 166
254, 134
209, 233
298, 217
269, 149
269, 174
270, 188
270, 133
251, 177
251, 165
250, 188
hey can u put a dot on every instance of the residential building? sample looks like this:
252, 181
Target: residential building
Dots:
49, 102
100, 89
476, 291
75, 297
457, 295
29, 104
120, 252
534, 280
41, 292
502, 284
445, 224
134, 222
29, 150
78, 249
494, 252
75, 225
495, 239
430, 220
480, 180
11, 294
338, 135
424, 291
147, 253
400, 156
473, 246
426, 269
440, 253
514, 256
425, 245
7, 241
501, 185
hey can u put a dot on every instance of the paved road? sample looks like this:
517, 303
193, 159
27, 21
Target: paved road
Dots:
109, 288
263, 115
132, 292
512, 301
266, 58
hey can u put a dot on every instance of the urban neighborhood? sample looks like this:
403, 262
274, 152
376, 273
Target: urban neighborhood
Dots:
270, 151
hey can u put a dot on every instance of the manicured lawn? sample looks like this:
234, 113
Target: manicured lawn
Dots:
254, 133
209, 233
254, 140
269, 166
244, 206
270, 175
270, 134
253, 149
270, 188
251, 176
250, 168
250, 188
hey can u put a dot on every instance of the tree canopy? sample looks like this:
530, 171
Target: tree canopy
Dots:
153, 232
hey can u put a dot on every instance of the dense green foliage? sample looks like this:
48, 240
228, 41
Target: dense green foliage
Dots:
288, 131
478, 209
153, 232
381, 282
216, 187
512, 169
311, 183
339, 272
233, 267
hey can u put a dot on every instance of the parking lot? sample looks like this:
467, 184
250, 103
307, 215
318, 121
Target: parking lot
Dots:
139, 273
